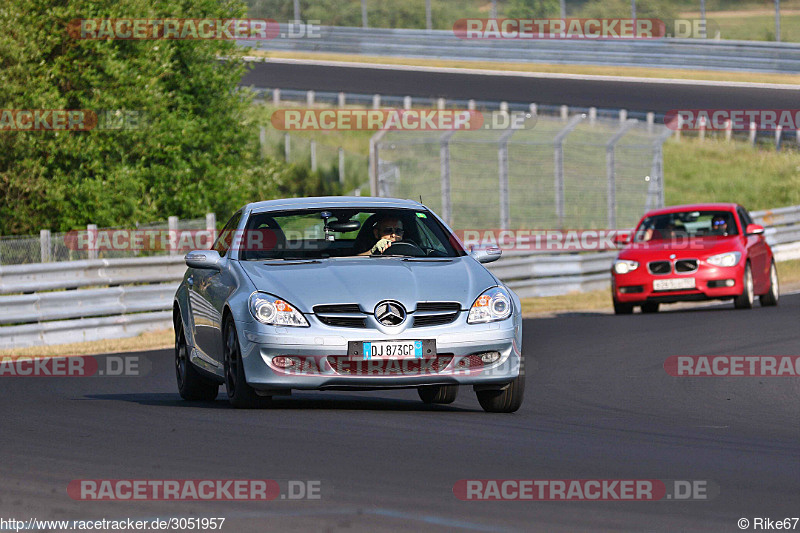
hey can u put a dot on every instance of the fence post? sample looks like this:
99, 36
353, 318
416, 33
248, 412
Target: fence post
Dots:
611, 172
778, 131
558, 156
211, 226
564, 113
651, 120
172, 226
753, 133
623, 115
444, 168
364, 23
406, 102
471, 105
262, 141
341, 165
287, 147
502, 161
313, 146
342, 99
44, 245
728, 130
376, 101
534, 110
592, 115
91, 234
440, 103
374, 160
276, 97
310, 95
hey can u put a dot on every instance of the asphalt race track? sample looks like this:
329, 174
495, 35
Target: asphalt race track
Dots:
599, 405
637, 96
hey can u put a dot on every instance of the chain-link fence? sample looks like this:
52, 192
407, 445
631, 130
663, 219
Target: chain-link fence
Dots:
76, 245
583, 172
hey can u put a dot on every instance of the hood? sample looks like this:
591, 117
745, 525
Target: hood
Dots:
367, 281
697, 247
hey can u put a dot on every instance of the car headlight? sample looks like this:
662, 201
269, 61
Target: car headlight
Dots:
623, 266
728, 259
494, 304
273, 311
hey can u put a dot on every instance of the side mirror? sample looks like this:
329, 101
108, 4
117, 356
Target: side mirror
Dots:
621, 238
486, 255
207, 259
754, 229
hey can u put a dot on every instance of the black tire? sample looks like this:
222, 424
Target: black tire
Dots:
773, 295
191, 385
438, 393
622, 308
650, 307
240, 394
507, 400
746, 298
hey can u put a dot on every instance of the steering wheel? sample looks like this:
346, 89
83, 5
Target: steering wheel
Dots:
404, 248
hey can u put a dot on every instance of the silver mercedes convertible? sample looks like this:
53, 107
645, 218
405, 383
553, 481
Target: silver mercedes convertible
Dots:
345, 293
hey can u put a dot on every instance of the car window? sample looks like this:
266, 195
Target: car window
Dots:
744, 217
687, 224
338, 232
225, 237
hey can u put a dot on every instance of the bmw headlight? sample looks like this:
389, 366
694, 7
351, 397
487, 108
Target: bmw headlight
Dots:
494, 304
623, 266
273, 311
728, 259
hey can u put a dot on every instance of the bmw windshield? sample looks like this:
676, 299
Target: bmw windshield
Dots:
352, 232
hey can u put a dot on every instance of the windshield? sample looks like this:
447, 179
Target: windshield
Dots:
325, 233
686, 224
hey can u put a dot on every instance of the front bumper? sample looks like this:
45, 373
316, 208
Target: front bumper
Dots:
323, 354
711, 283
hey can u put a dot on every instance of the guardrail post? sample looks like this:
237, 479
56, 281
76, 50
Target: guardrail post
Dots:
651, 120
778, 131
440, 103
45, 245
341, 165
502, 160
728, 130
702, 126
310, 95
172, 226
313, 146
444, 168
471, 105
504, 107
406, 102
611, 172
753, 133
287, 147
564, 113
534, 109
623, 115
342, 99
91, 234
276, 97
592, 115
376, 101
558, 156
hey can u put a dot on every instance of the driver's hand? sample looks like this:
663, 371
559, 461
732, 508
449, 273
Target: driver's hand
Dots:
380, 246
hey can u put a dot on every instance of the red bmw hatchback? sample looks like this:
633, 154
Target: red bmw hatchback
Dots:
694, 252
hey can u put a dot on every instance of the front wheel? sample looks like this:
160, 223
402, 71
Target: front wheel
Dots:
650, 307
772, 296
240, 394
438, 393
745, 299
507, 400
622, 308
191, 385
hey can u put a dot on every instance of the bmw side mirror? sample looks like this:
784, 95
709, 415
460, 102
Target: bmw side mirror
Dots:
486, 255
205, 259
754, 229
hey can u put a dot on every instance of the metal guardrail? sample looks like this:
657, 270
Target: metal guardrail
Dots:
58, 303
443, 44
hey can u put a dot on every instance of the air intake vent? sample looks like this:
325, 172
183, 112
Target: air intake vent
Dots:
435, 313
341, 315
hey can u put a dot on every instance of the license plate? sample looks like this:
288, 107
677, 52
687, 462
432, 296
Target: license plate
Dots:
369, 350
673, 284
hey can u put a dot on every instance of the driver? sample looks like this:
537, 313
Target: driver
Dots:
387, 230
719, 225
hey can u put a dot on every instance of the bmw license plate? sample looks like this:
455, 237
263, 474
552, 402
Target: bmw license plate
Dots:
673, 284
413, 349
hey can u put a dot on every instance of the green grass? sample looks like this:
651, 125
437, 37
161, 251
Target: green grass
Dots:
716, 171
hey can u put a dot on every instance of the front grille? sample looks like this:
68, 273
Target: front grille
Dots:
685, 265
659, 267
435, 313
341, 315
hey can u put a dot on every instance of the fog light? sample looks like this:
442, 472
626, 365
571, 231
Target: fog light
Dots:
729, 282
282, 361
490, 357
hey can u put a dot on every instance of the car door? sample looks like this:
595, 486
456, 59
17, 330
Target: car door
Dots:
207, 295
756, 251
